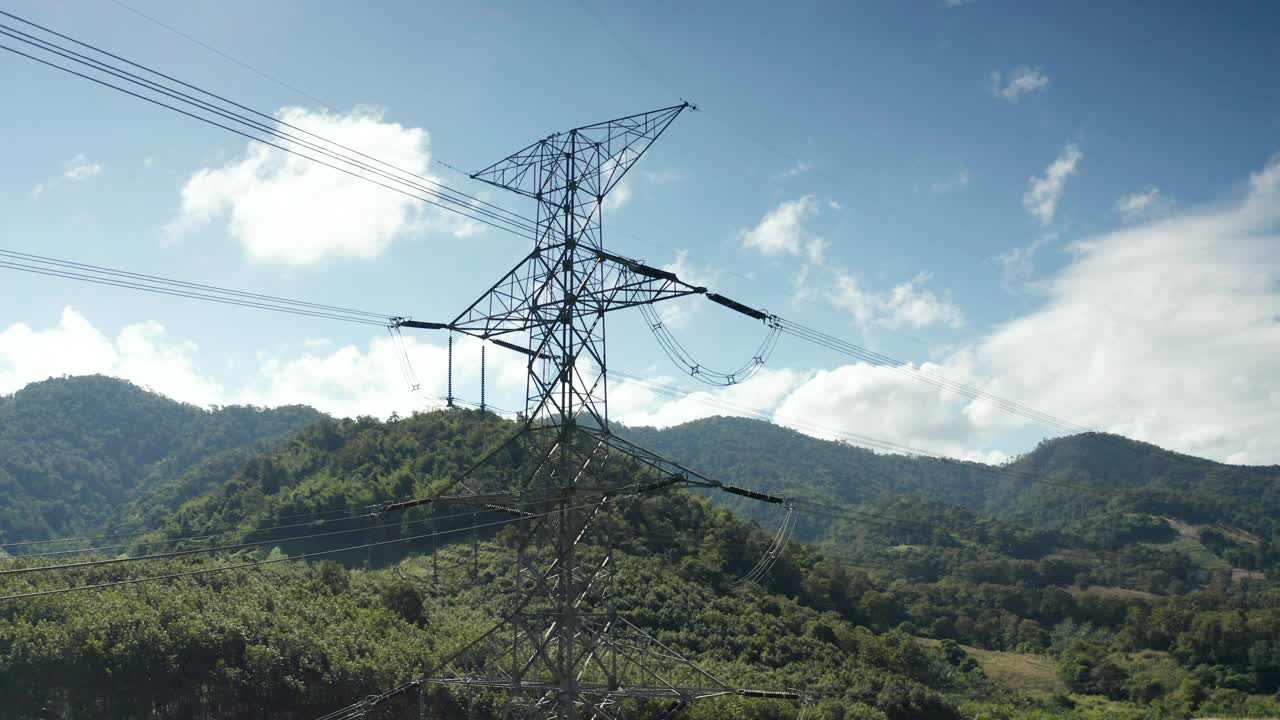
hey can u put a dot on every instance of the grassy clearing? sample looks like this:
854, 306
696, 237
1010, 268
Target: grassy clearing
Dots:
1189, 542
1109, 591
1024, 672
1035, 675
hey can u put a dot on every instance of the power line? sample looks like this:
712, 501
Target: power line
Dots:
704, 398
845, 347
223, 112
227, 56
156, 284
270, 561
138, 533
502, 219
519, 225
196, 551
192, 286
479, 500
185, 538
98, 279
438, 194
177, 31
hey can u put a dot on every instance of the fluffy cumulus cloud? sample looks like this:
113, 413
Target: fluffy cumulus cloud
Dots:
285, 209
1022, 81
1166, 330
379, 378
639, 403
1143, 205
1044, 191
863, 403
782, 231
141, 353
348, 380
907, 305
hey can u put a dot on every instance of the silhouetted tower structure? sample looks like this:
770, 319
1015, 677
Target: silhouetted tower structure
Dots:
566, 653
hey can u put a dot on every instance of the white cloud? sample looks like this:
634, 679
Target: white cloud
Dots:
140, 353
799, 168
1167, 331
619, 196
638, 404
1143, 205
782, 231
957, 3
148, 161
1019, 264
79, 168
285, 209
908, 304
883, 404
1022, 81
343, 381
1044, 192
676, 313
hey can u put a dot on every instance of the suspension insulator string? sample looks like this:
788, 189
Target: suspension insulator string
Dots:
449, 396
482, 406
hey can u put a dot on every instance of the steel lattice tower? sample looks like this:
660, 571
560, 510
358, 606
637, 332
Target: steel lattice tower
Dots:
567, 654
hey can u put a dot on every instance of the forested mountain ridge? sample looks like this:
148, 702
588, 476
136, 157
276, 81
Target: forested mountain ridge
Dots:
80, 453
1129, 623
1107, 489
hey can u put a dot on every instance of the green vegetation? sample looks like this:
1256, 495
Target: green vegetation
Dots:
1120, 604
86, 454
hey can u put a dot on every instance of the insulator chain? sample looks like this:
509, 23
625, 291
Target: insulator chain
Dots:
681, 357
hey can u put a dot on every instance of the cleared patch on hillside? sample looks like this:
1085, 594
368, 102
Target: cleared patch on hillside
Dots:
1035, 675
1240, 575
1110, 591
1188, 542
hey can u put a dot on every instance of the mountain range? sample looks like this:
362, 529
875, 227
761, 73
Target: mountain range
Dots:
1133, 580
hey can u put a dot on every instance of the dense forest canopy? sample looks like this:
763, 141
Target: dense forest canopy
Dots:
78, 453
944, 590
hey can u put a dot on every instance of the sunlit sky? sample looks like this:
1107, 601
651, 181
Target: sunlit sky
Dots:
1074, 205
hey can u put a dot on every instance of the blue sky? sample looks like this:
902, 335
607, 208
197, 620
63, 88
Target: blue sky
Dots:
1073, 205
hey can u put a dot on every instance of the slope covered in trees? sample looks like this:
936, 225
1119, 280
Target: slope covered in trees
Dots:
1131, 619
1107, 491
76, 453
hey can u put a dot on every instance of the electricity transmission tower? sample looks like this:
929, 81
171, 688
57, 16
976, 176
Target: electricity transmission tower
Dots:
565, 653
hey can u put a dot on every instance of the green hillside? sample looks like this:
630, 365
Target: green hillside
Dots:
950, 613
76, 453
1142, 493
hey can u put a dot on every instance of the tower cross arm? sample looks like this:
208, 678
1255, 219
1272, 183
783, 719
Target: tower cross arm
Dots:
608, 149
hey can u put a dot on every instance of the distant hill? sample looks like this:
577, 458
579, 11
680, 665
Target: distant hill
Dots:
1048, 488
79, 453
1139, 578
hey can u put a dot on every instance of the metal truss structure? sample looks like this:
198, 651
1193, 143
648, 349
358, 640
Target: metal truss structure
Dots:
566, 653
